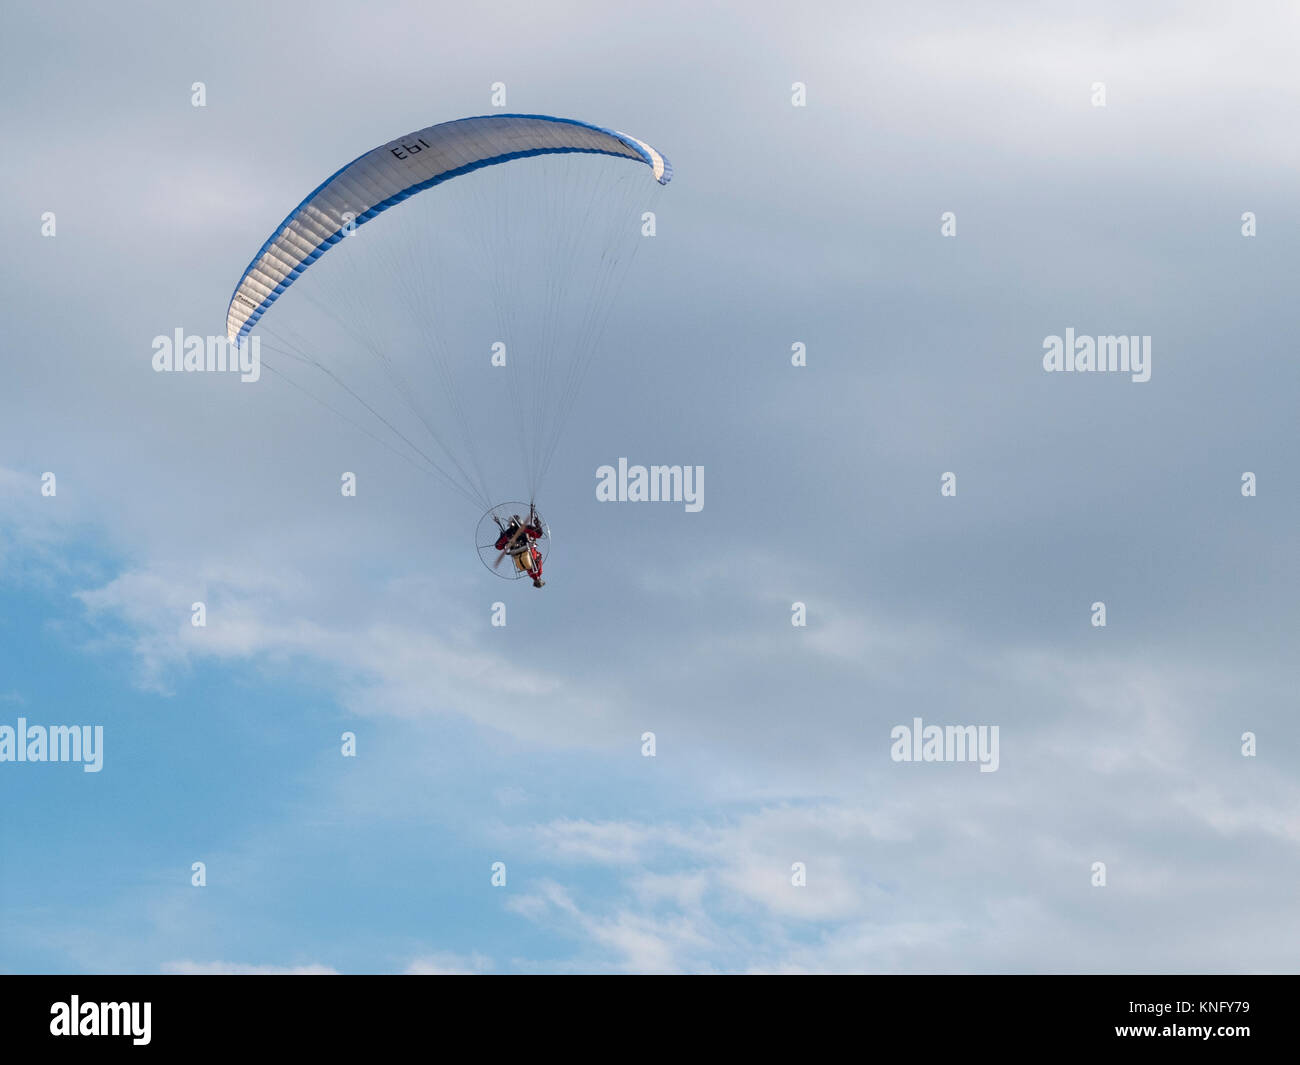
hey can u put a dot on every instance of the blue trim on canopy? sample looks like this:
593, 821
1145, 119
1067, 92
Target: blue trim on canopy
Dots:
411, 190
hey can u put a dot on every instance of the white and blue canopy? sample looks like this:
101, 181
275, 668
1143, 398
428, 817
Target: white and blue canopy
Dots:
390, 173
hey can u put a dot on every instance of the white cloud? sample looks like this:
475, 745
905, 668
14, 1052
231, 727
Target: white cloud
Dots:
449, 965
230, 968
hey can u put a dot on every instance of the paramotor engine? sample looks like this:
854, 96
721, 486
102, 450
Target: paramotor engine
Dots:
493, 524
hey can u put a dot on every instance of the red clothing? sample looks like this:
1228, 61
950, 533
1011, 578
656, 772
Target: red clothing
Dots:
531, 532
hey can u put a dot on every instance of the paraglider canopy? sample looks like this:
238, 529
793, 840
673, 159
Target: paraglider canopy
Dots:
391, 173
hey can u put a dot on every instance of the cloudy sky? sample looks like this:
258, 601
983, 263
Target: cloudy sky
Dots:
1124, 829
